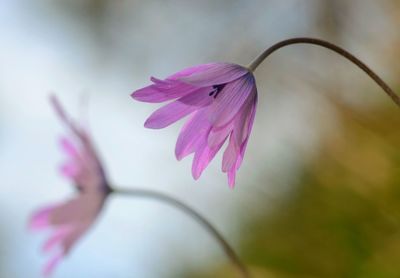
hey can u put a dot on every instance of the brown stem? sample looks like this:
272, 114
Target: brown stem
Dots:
193, 214
253, 65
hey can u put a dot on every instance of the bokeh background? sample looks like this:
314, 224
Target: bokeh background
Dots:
318, 192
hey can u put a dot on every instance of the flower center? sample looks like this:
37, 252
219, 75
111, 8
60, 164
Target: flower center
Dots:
216, 90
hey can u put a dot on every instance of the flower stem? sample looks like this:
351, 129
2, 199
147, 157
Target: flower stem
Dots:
193, 214
253, 65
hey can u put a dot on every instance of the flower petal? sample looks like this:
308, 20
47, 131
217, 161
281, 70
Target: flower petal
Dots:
69, 147
70, 169
202, 157
73, 237
215, 74
150, 94
232, 178
230, 155
178, 109
191, 70
40, 219
82, 209
231, 99
57, 237
52, 264
233, 159
244, 120
219, 135
192, 134
163, 90
170, 88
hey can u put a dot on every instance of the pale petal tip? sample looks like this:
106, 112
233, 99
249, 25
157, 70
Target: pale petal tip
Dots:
40, 219
140, 95
133, 95
178, 156
151, 124
69, 170
196, 174
231, 179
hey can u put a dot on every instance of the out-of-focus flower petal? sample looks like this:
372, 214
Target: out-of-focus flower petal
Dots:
69, 169
52, 264
79, 210
56, 238
70, 220
41, 218
73, 237
69, 147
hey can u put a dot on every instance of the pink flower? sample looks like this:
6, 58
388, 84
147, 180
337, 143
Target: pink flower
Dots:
220, 100
70, 220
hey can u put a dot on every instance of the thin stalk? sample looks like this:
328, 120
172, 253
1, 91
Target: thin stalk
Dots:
253, 65
144, 193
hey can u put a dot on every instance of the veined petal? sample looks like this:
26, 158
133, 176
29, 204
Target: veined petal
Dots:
231, 99
192, 134
231, 178
243, 120
178, 109
160, 92
239, 158
190, 71
149, 94
231, 172
202, 157
215, 74
230, 155
219, 135
249, 128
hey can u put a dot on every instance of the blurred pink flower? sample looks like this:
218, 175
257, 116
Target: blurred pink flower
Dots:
221, 100
70, 220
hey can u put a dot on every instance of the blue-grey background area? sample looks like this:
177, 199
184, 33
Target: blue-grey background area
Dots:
101, 51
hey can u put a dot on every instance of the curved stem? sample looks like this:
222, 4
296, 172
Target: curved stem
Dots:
193, 214
253, 65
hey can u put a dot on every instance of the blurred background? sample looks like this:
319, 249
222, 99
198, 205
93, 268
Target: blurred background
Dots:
318, 193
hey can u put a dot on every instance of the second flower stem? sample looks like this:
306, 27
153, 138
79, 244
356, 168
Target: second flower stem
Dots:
140, 193
253, 65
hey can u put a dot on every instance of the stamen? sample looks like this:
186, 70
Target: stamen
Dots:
217, 90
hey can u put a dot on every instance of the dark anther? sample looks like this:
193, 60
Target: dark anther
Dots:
217, 90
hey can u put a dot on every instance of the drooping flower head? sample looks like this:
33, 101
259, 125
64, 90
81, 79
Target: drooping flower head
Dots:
220, 100
68, 221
